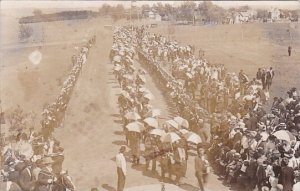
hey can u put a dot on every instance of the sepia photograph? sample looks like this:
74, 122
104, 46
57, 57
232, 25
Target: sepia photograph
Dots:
149, 95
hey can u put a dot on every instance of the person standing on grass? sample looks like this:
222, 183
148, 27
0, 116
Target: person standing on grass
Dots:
290, 50
121, 168
259, 74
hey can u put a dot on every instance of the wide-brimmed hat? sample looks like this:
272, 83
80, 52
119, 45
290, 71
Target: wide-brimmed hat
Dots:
289, 154
237, 155
282, 125
275, 152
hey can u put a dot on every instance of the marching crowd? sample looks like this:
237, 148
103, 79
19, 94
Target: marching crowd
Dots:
168, 145
33, 162
245, 145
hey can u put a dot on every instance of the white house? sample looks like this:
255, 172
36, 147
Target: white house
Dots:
151, 15
275, 14
242, 17
158, 17
246, 16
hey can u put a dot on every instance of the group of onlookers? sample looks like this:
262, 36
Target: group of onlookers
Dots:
248, 143
33, 162
166, 144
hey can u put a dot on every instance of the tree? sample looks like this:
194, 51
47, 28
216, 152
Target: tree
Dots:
160, 8
243, 8
118, 12
105, 9
262, 14
211, 12
186, 11
169, 9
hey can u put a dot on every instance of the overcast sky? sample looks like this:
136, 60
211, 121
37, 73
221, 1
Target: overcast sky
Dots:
85, 4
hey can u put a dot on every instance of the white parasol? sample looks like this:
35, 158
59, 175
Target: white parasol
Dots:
173, 123
264, 136
192, 137
158, 132
184, 131
284, 135
151, 122
181, 121
154, 113
149, 96
135, 127
170, 137
132, 116
117, 58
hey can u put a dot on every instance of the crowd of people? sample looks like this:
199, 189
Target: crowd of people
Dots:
167, 145
247, 146
33, 162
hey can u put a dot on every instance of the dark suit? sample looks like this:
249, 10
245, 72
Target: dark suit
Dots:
251, 173
261, 177
44, 176
26, 180
200, 172
287, 178
121, 179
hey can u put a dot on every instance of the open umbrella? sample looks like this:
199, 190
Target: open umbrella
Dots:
182, 122
173, 123
135, 127
117, 58
26, 150
192, 137
151, 122
264, 136
117, 67
184, 131
284, 135
127, 76
189, 75
125, 94
132, 116
170, 137
154, 113
149, 96
158, 132
143, 89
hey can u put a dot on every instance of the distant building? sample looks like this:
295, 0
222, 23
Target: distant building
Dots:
241, 17
229, 18
244, 17
152, 14
158, 17
274, 14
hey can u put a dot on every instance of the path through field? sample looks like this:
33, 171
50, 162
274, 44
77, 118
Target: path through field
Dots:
92, 133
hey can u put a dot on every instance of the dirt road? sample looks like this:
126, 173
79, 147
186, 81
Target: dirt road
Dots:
92, 132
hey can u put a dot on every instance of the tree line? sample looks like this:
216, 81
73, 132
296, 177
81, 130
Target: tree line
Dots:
187, 11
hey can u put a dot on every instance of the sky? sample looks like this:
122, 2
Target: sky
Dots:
8, 4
